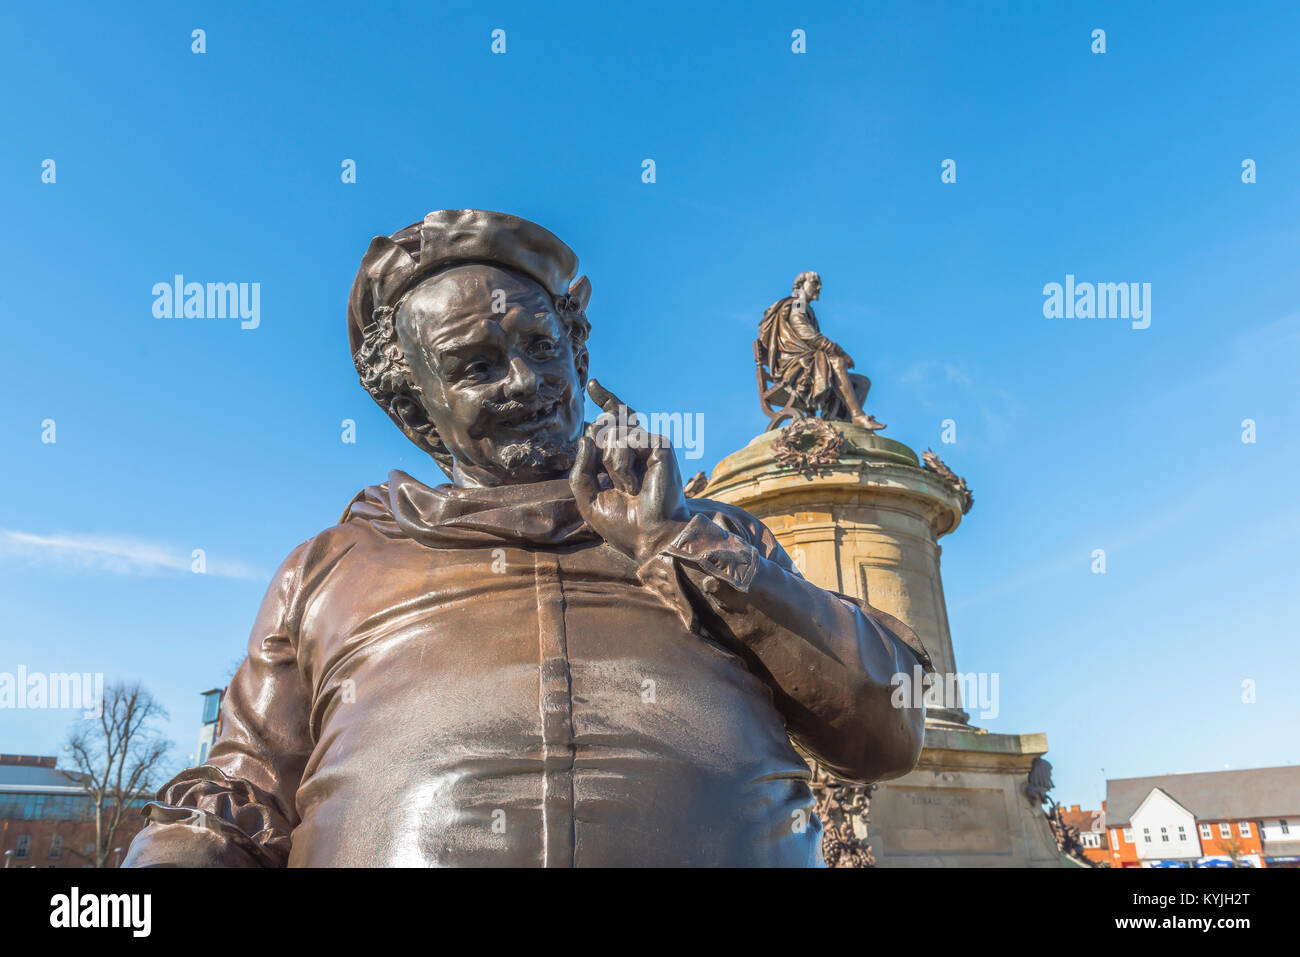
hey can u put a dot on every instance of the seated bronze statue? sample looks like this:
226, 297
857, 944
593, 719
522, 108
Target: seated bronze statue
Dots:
554, 660
800, 371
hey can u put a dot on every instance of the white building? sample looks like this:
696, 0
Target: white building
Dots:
1164, 830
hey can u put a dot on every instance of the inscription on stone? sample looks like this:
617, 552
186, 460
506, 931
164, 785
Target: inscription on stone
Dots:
941, 820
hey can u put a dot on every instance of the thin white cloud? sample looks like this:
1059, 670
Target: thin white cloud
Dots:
1274, 344
997, 408
115, 555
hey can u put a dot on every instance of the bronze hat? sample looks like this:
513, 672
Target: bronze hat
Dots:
448, 237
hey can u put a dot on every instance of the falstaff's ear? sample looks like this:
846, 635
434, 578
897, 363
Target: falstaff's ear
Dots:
413, 421
580, 292
416, 426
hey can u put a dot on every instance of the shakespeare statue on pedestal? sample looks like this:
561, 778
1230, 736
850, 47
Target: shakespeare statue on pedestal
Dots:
800, 371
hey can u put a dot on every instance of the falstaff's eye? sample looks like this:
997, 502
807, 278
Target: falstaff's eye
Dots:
475, 370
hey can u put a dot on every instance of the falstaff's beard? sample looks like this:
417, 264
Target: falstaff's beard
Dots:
541, 451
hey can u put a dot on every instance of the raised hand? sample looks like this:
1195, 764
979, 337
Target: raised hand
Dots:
637, 504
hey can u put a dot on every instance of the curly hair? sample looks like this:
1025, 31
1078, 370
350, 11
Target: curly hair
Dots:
386, 374
799, 279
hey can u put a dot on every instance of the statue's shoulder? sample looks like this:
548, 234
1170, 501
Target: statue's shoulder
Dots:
774, 319
368, 511
366, 515
369, 504
781, 305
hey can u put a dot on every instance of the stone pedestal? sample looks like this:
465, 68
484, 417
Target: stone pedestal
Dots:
964, 806
867, 524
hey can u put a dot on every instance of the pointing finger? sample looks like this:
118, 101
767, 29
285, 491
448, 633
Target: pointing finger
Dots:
607, 400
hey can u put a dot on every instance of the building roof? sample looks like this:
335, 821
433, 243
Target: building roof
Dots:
1249, 794
45, 761
35, 775
1084, 821
49, 780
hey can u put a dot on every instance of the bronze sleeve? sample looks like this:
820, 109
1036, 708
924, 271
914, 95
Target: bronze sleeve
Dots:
829, 660
237, 809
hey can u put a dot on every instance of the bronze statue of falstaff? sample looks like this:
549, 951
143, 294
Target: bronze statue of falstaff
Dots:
556, 660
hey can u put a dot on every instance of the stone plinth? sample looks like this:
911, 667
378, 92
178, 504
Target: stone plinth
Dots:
964, 806
867, 525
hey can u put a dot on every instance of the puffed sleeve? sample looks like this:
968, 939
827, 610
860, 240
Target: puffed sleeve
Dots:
237, 809
830, 660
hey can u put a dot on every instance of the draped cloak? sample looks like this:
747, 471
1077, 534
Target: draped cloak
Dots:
473, 677
798, 355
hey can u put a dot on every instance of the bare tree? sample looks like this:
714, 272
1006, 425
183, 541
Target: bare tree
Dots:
1235, 849
118, 758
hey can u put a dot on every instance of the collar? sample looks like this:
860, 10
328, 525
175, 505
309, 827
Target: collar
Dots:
539, 514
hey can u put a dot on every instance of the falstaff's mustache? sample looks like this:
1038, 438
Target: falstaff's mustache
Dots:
514, 409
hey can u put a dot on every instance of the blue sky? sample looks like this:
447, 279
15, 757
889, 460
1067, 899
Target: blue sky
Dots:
1074, 434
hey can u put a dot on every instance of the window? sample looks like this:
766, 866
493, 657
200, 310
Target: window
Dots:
1090, 840
1182, 833
1205, 831
1243, 828
49, 807
211, 707
1146, 835
1114, 840
1164, 835
1128, 834
1225, 830
56, 847
1286, 828
24, 846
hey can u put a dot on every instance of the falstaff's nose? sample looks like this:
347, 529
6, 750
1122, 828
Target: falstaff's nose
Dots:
522, 381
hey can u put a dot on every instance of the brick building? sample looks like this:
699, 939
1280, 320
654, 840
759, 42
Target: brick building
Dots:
46, 815
1091, 826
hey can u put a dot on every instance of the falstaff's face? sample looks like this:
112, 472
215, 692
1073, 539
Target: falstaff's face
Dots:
499, 386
